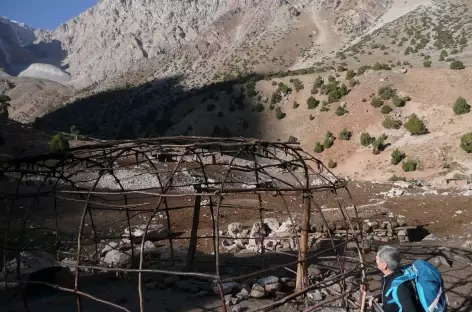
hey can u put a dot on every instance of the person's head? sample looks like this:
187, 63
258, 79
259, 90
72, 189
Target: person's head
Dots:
388, 259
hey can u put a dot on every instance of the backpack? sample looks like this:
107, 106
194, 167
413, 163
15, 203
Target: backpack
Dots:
428, 283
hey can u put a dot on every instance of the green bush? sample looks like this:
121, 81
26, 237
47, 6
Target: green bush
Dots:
366, 139
275, 98
376, 102
350, 74
345, 135
461, 107
312, 103
279, 114
397, 157
415, 125
319, 82
364, 100
295, 105
409, 165
284, 88
292, 139
466, 142
387, 92
398, 102
363, 69
390, 123
331, 78
298, 84
341, 111
395, 178
274, 83
259, 107
427, 63
386, 109
457, 65
329, 140
378, 145
354, 82
58, 143
377, 66
332, 164
319, 148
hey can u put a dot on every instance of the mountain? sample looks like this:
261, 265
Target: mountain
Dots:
267, 69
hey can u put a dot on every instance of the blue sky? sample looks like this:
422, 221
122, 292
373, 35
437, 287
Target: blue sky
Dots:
47, 14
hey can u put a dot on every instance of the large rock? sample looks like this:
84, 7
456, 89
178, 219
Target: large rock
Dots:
272, 223
257, 291
109, 246
234, 229
467, 245
116, 258
155, 232
226, 287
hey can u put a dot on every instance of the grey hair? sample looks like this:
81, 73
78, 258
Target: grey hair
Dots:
391, 256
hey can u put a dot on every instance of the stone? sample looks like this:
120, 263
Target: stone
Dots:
272, 223
401, 221
226, 287
440, 260
235, 300
270, 244
467, 245
257, 232
403, 184
403, 70
366, 228
430, 237
243, 294
315, 295
314, 270
116, 258
228, 301
313, 228
267, 280
286, 226
148, 247
257, 291
109, 246
336, 288
155, 232
239, 309
272, 287
402, 233
384, 239
234, 229
226, 242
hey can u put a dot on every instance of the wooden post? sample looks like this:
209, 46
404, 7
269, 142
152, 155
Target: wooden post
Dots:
302, 271
193, 236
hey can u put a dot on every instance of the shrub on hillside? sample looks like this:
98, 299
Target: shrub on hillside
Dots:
332, 164
297, 84
319, 148
345, 135
295, 105
387, 92
376, 102
350, 74
409, 165
259, 107
279, 114
427, 63
275, 98
319, 82
390, 123
341, 111
398, 102
312, 117
58, 143
292, 139
386, 109
397, 157
461, 107
363, 69
284, 88
354, 82
457, 65
396, 178
377, 66
312, 103
415, 125
329, 140
366, 139
466, 142
378, 145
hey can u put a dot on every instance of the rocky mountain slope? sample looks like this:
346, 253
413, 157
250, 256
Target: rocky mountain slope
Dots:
229, 72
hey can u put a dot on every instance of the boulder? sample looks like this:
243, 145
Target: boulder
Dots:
226, 287
155, 232
109, 246
272, 223
403, 70
257, 291
315, 295
243, 294
234, 229
267, 280
272, 287
116, 258
314, 270
467, 245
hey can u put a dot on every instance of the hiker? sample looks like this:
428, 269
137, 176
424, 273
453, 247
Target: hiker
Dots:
388, 262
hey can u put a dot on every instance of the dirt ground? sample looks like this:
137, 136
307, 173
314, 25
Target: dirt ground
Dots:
446, 214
